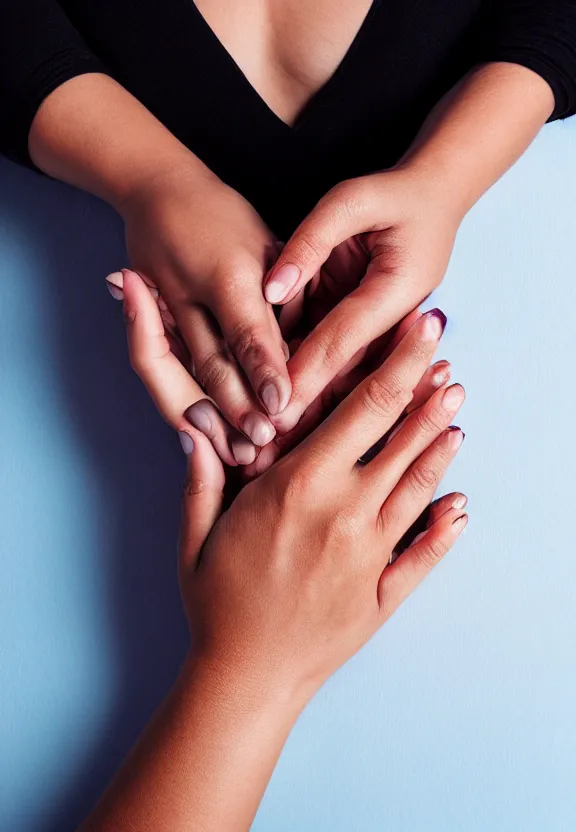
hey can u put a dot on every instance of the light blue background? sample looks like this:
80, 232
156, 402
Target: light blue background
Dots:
460, 715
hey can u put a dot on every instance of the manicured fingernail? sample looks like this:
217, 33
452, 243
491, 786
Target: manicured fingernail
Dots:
460, 523
114, 285
460, 501
419, 537
243, 452
186, 441
199, 418
258, 429
453, 398
442, 373
434, 323
152, 289
270, 398
281, 282
455, 437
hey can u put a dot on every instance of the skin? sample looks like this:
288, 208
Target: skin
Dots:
384, 240
285, 586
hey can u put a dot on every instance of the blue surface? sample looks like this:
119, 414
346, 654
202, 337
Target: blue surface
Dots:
460, 714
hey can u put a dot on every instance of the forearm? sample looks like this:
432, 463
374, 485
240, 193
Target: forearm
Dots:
203, 763
478, 130
91, 133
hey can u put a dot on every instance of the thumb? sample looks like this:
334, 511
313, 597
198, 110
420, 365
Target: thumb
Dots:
344, 212
202, 499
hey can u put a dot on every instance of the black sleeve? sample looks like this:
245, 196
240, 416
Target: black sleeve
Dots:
39, 50
538, 34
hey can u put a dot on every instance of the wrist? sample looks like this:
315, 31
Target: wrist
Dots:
246, 690
147, 185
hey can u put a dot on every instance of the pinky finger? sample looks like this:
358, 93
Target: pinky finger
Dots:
399, 580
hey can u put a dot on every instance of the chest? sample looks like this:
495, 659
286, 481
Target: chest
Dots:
287, 49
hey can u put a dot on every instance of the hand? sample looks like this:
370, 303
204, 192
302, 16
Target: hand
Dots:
159, 359
378, 245
161, 362
206, 250
294, 578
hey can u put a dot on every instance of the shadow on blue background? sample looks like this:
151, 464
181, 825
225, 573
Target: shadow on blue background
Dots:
65, 243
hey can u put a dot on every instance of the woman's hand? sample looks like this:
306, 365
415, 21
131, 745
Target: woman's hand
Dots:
295, 576
285, 586
378, 244
157, 357
207, 250
160, 359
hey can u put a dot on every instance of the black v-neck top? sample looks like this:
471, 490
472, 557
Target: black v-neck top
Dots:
406, 55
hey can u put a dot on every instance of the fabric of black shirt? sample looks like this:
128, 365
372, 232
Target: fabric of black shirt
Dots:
406, 55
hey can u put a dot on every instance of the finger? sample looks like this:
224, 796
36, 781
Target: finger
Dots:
232, 447
360, 318
115, 283
170, 385
253, 334
202, 500
370, 410
416, 487
265, 459
416, 433
429, 516
435, 377
401, 578
454, 500
337, 217
220, 376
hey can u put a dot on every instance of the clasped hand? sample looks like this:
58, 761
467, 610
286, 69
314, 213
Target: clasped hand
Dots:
371, 251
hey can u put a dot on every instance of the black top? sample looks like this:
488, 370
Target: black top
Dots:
407, 54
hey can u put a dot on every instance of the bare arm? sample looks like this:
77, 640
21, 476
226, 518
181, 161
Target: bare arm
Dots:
288, 584
92, 133
405, 219
195, 238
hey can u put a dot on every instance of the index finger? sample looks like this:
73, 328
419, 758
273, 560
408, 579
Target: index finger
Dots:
361, 317
252, 332
375, 405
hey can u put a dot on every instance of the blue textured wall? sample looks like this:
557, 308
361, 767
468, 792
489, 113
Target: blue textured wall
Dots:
460, 714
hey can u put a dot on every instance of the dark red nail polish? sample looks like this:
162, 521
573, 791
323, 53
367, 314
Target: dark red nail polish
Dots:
440, 315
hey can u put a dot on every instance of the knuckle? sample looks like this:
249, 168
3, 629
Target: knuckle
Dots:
309, 245
246, 342
213, 371
424, 478
349, 197
429, 421
432, 552
385, 396
334, 347
193, 486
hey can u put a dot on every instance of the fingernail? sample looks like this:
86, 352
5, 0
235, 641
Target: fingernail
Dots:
243, 452
442, 373
114, 285
434, 324
270, 398
460, 523
419, 537
460, 501
281, 282
286, 350
186, 441
455, 437
258, 429
199, 419
453, 398
152, 289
